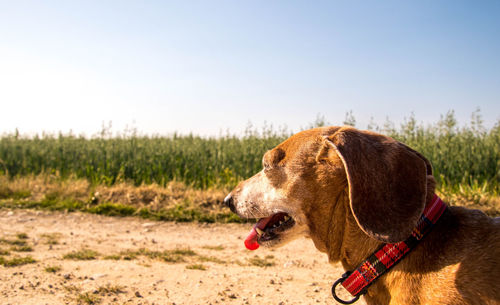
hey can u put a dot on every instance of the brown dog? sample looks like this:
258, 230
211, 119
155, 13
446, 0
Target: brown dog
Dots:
351, 192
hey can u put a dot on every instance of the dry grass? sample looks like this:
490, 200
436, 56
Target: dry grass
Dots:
87, 298
152, 196
267, 261
196, 267
51, 238
83, 254
39, 187
16, 261
156, 198
109, 289
178, 255
13, 242
53, 269
25, 248
212, 259
22, 236
175, 201
215, 248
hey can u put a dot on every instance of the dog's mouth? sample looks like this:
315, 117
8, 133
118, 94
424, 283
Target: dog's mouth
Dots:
268, 229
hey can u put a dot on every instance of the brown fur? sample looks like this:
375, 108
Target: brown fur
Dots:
353, 190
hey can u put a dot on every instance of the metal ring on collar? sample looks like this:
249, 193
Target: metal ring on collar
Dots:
334, 294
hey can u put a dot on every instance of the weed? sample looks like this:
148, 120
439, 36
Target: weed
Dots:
177, 203
150, 254
110, 289
112, 209
176, 256
262, 262
129, 254
53, 269
72, 289
114, 257
216, 248
14, 194
16, 242
186, 252
22, 236
88, 298
196, 267
68, 205
212, 259
25, 248
83, 254
171, 256
5, 192
51, 238
238, 262
17, 261
184, 213
21, 194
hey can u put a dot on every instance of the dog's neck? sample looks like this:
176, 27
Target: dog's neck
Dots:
345, 241
356, 245
341, 238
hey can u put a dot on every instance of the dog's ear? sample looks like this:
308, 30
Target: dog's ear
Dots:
387, 182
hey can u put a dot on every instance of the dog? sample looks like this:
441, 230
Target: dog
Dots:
356, 192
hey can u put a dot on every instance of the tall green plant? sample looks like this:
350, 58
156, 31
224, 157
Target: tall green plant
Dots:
460, 156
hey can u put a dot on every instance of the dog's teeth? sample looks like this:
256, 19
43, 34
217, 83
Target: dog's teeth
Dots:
259, 231
287, 217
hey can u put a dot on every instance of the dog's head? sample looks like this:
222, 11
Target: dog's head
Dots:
302, 178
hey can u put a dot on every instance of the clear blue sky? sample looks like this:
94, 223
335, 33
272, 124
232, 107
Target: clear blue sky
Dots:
207, 66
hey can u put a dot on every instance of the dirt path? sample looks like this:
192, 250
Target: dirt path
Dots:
122, 273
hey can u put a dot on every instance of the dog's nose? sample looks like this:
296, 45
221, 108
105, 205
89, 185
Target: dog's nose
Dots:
229, 202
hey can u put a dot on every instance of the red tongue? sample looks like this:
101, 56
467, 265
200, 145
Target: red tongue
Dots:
251, 240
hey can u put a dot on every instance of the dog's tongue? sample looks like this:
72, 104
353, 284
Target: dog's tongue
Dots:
251, 240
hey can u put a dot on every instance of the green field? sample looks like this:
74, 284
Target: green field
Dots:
465, 158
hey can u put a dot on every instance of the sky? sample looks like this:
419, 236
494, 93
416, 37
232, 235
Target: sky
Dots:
208, 67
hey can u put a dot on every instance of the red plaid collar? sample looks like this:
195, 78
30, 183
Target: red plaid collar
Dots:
357, 281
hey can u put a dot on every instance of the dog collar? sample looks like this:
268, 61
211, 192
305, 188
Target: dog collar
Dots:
388, 255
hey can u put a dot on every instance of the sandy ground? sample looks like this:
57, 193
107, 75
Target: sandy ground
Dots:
299, 273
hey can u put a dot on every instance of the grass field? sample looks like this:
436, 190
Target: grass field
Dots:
465, 159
